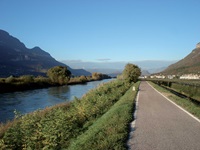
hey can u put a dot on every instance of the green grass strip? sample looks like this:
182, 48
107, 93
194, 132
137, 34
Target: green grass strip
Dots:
56, 127
112, 129
183, 102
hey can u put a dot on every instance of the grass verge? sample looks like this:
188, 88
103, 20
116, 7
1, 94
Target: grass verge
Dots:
58, 127
111, 130
183, 102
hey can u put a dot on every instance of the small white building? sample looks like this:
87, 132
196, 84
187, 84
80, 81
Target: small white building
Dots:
190, 76
171, 76
158, 76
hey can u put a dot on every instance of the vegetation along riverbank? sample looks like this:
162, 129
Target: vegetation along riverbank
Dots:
56, 76
99, 120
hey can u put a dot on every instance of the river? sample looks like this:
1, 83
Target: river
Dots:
28, 101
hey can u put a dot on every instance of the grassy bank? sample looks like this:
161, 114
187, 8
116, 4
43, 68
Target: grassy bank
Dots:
183, 102
63, 125
22, 83
29, 82
110, 131
189, 88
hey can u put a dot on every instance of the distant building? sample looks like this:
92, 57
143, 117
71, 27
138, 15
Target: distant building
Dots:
171, 76
190, 76
158, 76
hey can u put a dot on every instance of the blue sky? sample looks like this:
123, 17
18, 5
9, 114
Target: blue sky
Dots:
105, 30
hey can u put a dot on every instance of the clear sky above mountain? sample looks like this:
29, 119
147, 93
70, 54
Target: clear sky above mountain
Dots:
105, 30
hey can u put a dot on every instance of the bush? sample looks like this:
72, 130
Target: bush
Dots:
10, 80
58, 127
111, 130
27, 79
81, 79
131, 73
59, 75
40, 80
96, 76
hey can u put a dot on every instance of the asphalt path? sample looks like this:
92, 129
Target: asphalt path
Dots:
160, 125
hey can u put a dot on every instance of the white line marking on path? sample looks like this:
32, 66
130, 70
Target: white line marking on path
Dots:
133, 123
191, 115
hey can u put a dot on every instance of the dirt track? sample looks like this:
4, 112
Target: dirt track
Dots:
160, 125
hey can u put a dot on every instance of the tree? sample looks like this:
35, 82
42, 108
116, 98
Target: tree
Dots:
83, 79
59, 75
131, 72
96, 76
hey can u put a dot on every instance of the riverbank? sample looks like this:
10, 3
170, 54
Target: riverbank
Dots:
28, 82
31, 100
101, 116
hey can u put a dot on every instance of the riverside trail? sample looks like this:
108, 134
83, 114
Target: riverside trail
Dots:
161, 125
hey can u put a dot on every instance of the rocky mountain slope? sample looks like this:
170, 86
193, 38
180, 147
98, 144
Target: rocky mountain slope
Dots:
189, 64
16, 59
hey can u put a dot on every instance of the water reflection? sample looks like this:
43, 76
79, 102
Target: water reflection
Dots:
31, 100
58, 93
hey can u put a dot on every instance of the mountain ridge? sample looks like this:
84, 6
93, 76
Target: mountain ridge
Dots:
107, 67
188, 65
16, 59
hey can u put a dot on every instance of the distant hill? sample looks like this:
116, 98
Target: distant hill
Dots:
189, 64
145, 73
115, 68
16, 59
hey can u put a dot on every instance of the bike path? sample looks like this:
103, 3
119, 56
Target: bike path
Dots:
160, 125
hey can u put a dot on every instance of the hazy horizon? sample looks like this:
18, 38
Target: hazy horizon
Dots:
110, 67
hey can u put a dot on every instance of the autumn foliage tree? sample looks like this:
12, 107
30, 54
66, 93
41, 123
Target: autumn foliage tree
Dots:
99, 76
59, 75
96, 76
131, 72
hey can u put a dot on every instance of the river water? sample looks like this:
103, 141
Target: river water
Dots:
28, 101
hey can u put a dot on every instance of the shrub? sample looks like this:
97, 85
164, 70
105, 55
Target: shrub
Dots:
83, 79
111, 130
59, 75
58, 127
96, 76
131, 73
26, 79
40, 80
10, 79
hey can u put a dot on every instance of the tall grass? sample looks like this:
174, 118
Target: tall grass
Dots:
29, 82
111, 130
59, 126
189, 90
22, 83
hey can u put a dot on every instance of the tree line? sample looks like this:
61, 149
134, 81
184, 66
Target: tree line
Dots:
98, 120
60, 75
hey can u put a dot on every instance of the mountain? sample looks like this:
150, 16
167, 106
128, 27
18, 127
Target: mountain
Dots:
145, 73
16, 59
115, 68
189, 64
